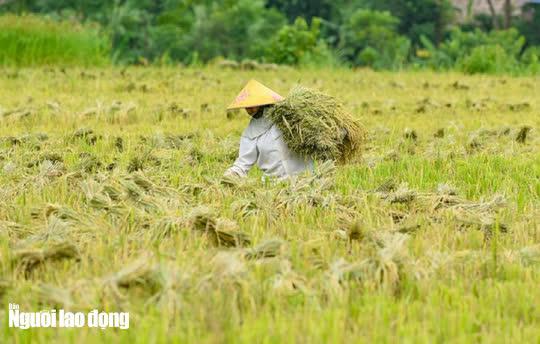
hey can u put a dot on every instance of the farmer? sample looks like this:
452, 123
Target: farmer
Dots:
262, 142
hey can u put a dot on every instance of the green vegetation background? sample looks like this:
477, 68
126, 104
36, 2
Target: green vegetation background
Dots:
389, 34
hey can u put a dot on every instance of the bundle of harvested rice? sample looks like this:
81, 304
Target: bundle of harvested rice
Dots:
309, 190
13, 229
390, 259
52, 295
228, 265
340, 273
221, 232
227, 234
28, 258
400, 195
267, 249
144, 273
49, 209
385, 268
202, 219
316, 125
166, 227
289, 282
530, 255
262, 204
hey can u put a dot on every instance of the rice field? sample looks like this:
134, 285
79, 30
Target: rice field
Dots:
112, 198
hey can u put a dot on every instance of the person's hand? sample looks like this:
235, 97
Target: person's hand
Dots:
230, 178
231, 173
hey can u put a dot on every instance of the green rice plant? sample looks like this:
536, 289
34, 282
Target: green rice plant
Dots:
488, 59
31, 40
4, 286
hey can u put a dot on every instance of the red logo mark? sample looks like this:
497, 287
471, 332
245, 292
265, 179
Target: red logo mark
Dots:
242, 96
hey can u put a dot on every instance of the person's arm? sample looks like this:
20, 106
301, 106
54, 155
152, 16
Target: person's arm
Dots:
291, 163
247, 157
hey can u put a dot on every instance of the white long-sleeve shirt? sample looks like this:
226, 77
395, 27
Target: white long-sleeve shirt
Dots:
262, 144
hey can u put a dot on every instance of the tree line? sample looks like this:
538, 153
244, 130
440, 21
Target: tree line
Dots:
387, 34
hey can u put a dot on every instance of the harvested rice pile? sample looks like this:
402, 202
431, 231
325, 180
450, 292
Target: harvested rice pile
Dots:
315, 125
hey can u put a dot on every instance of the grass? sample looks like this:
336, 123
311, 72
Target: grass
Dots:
112, 198
32, 40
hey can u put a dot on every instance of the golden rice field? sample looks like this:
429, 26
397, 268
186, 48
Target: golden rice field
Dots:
111, 198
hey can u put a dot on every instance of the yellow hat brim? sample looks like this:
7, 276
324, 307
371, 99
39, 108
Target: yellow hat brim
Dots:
254, 94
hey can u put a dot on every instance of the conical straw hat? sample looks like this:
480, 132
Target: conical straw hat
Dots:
254, 94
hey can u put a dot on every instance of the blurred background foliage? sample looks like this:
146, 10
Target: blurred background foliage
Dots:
389, 34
